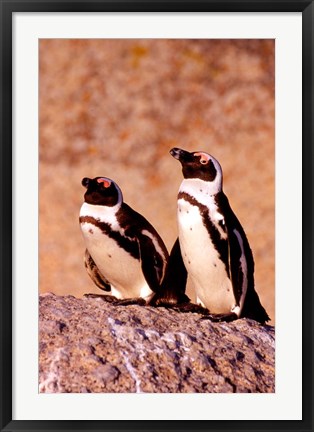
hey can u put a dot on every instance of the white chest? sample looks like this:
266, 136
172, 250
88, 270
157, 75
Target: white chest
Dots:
208, 274
119, 267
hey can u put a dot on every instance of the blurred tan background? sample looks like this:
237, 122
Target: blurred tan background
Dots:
116, 107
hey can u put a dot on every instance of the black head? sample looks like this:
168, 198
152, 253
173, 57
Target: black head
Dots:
101, 191
198, 165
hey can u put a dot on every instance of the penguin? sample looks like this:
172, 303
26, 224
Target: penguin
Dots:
124, 253
212, 247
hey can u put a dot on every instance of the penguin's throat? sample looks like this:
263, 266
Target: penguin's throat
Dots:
99, 212
200, 189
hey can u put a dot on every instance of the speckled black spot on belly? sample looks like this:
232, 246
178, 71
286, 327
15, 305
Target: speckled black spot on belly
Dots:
220, 244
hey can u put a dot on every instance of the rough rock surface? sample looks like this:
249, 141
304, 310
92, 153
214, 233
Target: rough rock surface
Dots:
88, 345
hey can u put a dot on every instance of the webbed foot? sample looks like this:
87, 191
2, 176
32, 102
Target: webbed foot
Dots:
130, 301
104, 297
118, 302
168, 301
227, 317
190, 307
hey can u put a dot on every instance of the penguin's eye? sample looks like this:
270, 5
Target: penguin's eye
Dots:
204, 157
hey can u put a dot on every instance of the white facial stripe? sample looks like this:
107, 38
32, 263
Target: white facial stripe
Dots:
244, 270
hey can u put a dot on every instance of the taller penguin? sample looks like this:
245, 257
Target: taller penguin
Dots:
212, 246
124, 253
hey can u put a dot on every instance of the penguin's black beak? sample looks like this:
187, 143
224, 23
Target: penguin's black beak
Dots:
175, 152
181, 155
85, 182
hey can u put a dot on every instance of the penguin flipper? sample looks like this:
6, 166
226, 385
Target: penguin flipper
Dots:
172, 290
152, 263
94, 273
239, 271
241, 266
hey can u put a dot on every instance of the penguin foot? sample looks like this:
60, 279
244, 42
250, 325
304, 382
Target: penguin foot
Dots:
117, 302
104, 297
130, 301
190, 307
168, 301
231, 316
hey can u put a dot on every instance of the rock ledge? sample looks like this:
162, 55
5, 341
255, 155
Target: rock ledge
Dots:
88, 345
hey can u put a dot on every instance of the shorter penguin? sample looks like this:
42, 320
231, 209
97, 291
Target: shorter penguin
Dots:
212, 247
124, 253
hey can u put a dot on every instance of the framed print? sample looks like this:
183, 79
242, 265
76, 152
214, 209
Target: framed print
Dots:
142, 289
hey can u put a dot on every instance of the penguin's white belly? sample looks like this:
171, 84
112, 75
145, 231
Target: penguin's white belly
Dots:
121, 270
208, 274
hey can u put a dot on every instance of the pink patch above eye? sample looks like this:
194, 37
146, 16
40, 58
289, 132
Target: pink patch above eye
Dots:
204, 157
106, 183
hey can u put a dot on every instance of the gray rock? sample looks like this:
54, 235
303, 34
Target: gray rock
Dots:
88, 345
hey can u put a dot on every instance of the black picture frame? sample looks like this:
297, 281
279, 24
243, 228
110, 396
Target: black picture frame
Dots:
7, 8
